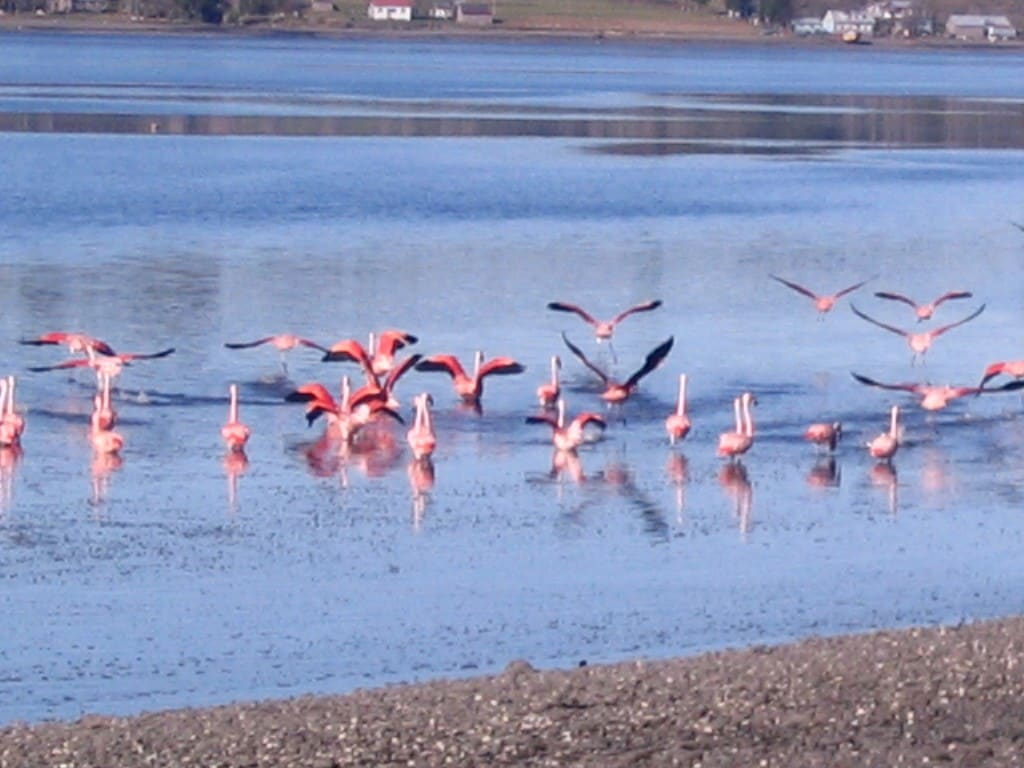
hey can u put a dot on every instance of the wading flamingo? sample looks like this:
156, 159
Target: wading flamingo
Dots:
470, 388
548, 392
822, 302
919, 342
421, 437
567, 438
618, 392
885, 445
346, 418
12, 423
678, 423
384, 347
603, 329
282, 342
924, 311
935, 398
75, 342
734, 444
234, 433
824, 434
1014, 368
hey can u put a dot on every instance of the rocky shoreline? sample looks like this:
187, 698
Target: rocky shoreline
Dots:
949, 695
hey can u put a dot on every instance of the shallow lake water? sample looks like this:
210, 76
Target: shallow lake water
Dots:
195, 191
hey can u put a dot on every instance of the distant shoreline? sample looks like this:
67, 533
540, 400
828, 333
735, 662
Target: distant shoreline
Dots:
701, 30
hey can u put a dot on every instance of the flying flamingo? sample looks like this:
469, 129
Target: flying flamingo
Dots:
12, 423
924, 311
824, 434
885, 445
567, 438
421, 437
234, 432
548, 392
470, 388
618, 392
935, 398
384, 347
678, 423
736, 443
603, 329
822, 302
76, 342
1013, 368
282, 342
103, 416
919, 342
111, 365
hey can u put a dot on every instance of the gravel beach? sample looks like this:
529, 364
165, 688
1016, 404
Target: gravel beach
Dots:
951, 696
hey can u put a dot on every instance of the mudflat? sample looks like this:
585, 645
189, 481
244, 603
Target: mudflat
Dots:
912, 697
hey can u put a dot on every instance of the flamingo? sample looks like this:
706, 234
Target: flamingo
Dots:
282, 342
618, 392
919, 342
1013, 368
824, 434
234, 433
347, 417
822, 302
111, 365
12, 423
736, 443
567, 438
548, 392
103, 416
935, 398
603, 329
470, 388
421, 437
678, 423
385, 389
384, 347
885, 445
924, 311
106, 441
351, 351
76, 342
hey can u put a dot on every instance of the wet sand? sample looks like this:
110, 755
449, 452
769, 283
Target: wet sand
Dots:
922, 696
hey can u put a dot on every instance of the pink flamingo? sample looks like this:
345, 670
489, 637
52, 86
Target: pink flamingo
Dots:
111, 365
347, 417
548, 392
470, 388
421, 437
12, 423
824, 434
618, 392
103, 416
282, 342
738, 442
885, 445
934, 397
822, 302
384, 348
678, 423
603, 329
567, 438
75, 342
919, 342
924, 311
234, 433
1014, 368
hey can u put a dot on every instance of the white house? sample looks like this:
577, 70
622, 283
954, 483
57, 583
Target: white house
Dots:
807, 25
972, 26
840, 22
390, 10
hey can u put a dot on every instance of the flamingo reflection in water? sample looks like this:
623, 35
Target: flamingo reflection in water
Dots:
422, 477
10, 456
677, 468
104, 464
883, 475
736, 484
235, 464
826, 473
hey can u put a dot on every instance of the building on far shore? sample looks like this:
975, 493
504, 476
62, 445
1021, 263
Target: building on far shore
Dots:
474, 14
807, 25
852, 22
972, 26
390, 10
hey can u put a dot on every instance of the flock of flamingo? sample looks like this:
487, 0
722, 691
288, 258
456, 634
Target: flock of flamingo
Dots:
349, 416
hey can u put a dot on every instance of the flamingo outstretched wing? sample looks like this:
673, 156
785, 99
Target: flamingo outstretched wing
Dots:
561, 306
583, 359
62, 337
908, 387
392, 341
501, 366
896, 297
348, 351
400, 370
124, 358
646, 306
247, 344
443, 363
795, 286
880, 324
653, 360
942, 329
850, 289
949, 295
